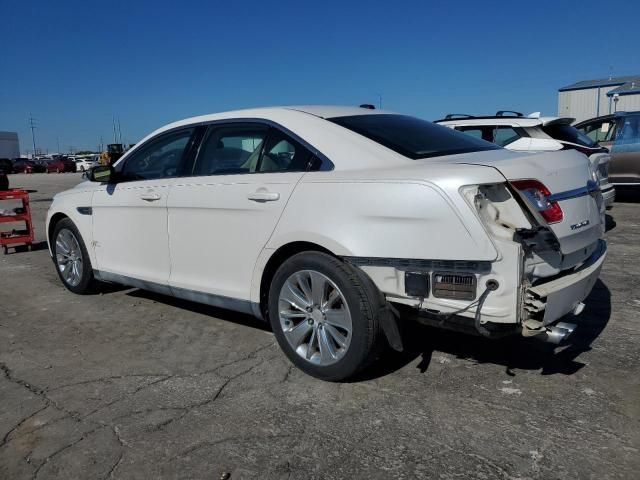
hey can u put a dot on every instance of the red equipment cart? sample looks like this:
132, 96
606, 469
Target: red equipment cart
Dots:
23, 214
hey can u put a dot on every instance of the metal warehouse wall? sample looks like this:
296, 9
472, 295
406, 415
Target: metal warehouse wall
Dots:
629, 103
9, 146
583, 104
580, 104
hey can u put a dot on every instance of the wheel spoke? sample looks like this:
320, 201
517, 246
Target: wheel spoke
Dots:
60, 244
338, 318
298, 334
293, 297
312, 340
318, 287
289, 314
327, 352
67, 271
339, 338
304, 286
334, 296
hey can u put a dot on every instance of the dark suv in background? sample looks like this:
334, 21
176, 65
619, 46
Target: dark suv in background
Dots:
620, 133
6, 167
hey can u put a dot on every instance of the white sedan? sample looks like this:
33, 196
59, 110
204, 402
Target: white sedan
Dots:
84, 164
337, 224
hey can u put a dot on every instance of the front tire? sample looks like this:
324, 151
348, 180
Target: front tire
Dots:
324, 314
71, 258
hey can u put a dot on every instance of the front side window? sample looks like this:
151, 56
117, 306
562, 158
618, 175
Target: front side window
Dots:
627, 137
412, 137
230, 150
160, 158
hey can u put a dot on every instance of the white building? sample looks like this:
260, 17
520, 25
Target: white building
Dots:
592, 98
9, 145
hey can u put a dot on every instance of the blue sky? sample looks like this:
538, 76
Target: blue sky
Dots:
75, 64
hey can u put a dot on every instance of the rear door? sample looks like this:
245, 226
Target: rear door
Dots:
223, 215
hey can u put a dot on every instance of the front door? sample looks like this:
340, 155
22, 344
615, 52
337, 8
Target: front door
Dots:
130, 216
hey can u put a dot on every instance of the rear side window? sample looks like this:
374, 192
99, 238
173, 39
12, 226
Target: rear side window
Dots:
599, 131
503, 136
567, 133
283, 154
412, 137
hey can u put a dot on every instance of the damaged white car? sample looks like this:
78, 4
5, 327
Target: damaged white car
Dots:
338, 224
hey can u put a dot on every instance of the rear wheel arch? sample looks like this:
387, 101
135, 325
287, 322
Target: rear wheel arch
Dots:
276, 260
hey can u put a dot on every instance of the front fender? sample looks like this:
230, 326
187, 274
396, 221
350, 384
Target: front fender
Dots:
71, 204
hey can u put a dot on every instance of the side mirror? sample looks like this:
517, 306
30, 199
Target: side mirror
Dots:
102, 174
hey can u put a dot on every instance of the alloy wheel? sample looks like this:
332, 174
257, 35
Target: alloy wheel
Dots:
69, 257
314, 317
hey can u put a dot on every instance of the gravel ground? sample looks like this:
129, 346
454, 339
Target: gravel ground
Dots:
129, 384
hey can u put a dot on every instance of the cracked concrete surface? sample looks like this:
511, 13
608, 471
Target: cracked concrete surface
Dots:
129, 384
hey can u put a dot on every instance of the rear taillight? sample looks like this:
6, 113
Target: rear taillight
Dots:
538, 196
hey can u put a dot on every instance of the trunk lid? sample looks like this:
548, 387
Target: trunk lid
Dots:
567, 175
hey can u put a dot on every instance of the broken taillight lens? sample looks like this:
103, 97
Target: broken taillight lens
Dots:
538, 195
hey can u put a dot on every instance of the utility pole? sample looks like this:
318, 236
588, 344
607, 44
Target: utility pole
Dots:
58, 142
380, 101
32, 125
119, 130
115, 137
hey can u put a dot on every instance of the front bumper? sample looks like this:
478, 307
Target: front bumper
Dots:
556, 298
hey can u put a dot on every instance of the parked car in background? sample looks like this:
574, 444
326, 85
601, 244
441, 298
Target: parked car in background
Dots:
535, 133
337, 223
28, 166
86, 163
620, 133
6, 166
60, 165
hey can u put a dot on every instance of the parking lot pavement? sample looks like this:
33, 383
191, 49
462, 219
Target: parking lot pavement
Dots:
128, 384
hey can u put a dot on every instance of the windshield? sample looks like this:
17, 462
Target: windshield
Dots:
567, 133
412, 137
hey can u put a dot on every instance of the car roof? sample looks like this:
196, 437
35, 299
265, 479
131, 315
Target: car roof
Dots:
509, 121
609, 116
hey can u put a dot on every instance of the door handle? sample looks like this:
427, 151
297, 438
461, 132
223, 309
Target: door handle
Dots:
150, 197
264, 196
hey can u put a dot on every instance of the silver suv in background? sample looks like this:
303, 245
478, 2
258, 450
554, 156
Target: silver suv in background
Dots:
534, 133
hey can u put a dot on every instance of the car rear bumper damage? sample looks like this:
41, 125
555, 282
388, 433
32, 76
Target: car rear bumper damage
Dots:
548, 301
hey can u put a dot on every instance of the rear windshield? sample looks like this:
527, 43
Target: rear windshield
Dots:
567, 133
412, 137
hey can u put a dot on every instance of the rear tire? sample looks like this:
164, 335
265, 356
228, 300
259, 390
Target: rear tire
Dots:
70, 256
324, 315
